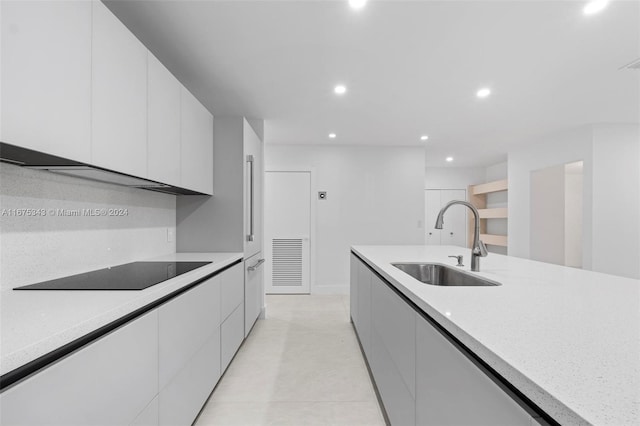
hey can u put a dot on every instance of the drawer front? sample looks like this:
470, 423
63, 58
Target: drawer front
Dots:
186, 323
182, 399
108, 382
232, 290
231, 336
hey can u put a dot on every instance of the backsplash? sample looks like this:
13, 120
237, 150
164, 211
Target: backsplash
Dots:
53, 225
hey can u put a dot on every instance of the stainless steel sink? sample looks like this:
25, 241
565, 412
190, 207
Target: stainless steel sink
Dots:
438, 274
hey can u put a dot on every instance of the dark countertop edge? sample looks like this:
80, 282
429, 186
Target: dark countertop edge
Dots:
524, 401
26, 370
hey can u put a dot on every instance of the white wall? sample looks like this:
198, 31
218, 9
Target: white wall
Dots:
556, 149
611, 193
34, 249
573, 207
547, 215
453, 177
616, 199
375, 195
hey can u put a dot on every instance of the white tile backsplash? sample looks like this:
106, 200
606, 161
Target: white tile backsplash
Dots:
50, 245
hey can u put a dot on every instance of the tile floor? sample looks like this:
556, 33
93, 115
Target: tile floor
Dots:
300, 366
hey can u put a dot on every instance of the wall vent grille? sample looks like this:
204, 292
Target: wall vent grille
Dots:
287, 262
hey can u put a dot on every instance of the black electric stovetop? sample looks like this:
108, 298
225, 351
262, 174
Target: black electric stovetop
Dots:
131, 276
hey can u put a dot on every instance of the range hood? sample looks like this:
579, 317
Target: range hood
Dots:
31, 159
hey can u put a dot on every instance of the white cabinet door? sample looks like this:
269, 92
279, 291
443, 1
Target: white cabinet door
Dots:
119, 98
231, 336
364, 319
454, 231
451, 390
253, 291
431, 208
186, 323
196, 151
163, 123
353, 288
183, 398
109, 382
46, 76
253, 190
231, 290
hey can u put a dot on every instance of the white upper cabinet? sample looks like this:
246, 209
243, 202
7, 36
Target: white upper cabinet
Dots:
163, 123
119, 101
46, 76
196, 157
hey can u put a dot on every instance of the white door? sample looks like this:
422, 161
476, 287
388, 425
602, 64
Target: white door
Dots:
454, 230
287, 228
431, 208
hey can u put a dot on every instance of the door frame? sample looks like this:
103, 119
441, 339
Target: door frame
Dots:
312, 219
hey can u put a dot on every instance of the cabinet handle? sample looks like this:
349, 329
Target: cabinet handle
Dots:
250, 236
451, 233
254, 267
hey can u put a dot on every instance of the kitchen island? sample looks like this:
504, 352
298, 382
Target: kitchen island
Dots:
565, 340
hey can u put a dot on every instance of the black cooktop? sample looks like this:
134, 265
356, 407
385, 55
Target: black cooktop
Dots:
131, 276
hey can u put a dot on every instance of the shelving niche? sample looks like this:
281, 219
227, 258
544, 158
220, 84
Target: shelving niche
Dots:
478, 197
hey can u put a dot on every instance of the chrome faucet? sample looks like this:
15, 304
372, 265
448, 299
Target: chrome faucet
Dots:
478, 249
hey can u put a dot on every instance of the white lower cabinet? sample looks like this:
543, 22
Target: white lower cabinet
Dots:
231, 336
182, 399
451, 390
109, 382
186, 323
150, 415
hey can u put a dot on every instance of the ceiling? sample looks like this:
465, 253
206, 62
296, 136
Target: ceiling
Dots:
410, 67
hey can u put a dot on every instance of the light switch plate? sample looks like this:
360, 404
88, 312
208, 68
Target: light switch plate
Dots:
170, 235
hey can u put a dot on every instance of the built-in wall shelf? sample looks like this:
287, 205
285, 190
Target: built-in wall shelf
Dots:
496, 213
486, 188
495, 240
478, 197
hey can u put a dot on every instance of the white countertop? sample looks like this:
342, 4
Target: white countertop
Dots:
566, 338
34, 323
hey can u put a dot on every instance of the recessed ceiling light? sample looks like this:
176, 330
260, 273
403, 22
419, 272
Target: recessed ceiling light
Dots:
332, 135
483, 93
449, 159
340, 89
595, 6
357, 4
424, 137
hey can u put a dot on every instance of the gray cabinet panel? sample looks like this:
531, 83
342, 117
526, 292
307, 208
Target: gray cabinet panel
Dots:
398, 401
363, 323
451, 390
353, 288
394, 322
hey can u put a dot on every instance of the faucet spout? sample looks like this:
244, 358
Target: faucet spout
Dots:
478, 249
